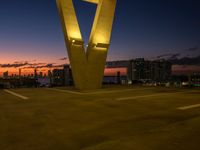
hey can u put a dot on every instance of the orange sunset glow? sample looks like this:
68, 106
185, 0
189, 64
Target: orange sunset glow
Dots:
28, 70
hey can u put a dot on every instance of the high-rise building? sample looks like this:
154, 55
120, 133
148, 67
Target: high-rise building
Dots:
58, 77
68, 79
49, 74
116, 72
195, 79
35, 73
140, 69
41, 74
137, 69
161, 70
144, 70
20, 72
61, 77
5, 75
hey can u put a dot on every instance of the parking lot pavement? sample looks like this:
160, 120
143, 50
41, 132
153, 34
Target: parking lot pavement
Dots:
147, 119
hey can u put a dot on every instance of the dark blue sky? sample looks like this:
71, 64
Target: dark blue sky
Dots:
30, 29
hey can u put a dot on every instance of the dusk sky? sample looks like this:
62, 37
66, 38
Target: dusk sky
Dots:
31, 33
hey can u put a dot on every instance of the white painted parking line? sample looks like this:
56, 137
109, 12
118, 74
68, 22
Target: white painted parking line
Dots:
116, 91
16, 94
145, 96
95, 92
136, 97
65, 91
189, 107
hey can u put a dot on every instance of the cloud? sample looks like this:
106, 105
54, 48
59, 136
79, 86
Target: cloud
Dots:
169, 56
176, 59
192, 49
27, 65
164, 55
22, 62
186, 61
15, 65
50, 65
64, 58
175, 56
58, 66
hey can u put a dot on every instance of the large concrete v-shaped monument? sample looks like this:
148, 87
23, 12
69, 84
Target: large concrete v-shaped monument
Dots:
87, 67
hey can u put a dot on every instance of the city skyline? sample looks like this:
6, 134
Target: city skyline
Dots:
31, 34
27, 69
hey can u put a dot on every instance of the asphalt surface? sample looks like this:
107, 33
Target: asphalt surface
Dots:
113, 118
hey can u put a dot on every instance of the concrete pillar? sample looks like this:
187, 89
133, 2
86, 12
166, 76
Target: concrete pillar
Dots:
87, 67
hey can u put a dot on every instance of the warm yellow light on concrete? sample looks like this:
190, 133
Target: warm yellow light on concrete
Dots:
92, 1
87, 68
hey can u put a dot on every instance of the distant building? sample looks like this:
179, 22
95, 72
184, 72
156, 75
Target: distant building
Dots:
58, 77
161, 70
41, 74
50, 76
141, 70
5, 75
195, 79
116, 72
20, 71
68, 79
117, 64
35, 73
62, 77
138, 69
49, 73
44, 81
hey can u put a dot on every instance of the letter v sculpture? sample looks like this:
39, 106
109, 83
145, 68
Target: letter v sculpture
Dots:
87, 67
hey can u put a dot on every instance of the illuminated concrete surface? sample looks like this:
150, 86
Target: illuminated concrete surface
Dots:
87, 67
57, 119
